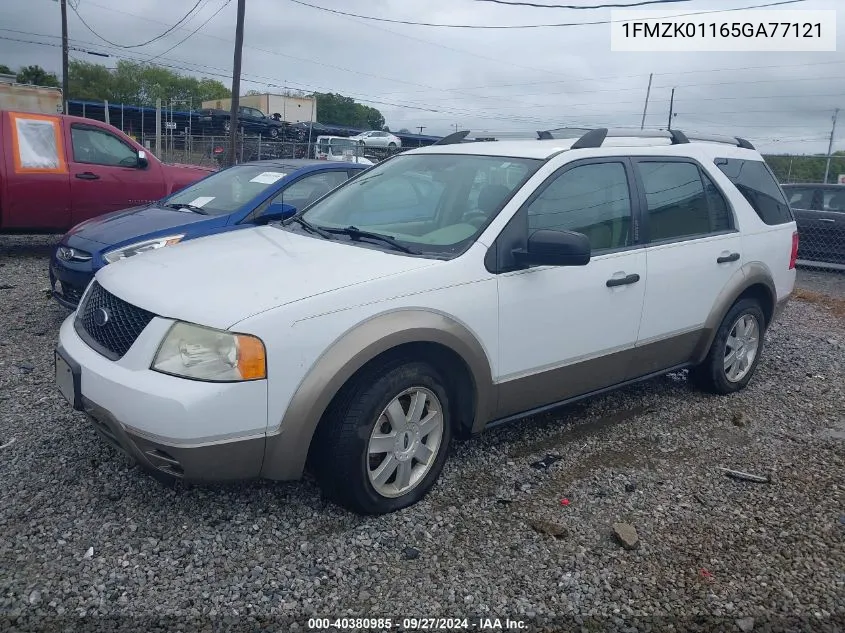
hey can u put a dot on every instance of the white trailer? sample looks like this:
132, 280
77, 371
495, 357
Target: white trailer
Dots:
29, 98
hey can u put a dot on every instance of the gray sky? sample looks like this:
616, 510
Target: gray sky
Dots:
502, 83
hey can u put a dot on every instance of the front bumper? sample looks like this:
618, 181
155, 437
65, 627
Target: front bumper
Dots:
68, 281
187, 429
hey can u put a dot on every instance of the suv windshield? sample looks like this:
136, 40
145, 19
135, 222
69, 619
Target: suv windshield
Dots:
229, 189
435, 204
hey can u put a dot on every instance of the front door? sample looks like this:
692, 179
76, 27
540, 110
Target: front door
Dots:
105, 176
566, 331
694, 249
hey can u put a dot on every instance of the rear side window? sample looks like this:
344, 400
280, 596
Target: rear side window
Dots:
682, 202
756, 183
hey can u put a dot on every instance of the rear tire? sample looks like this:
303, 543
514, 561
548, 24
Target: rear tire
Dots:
391, 146
382, 444
735, 351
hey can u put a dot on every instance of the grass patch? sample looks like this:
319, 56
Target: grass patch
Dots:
835, 306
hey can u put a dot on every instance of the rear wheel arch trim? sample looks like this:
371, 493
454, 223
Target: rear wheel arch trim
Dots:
288, 443
751, 274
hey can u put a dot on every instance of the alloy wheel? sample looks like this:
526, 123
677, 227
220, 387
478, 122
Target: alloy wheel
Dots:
741, 347
405, 442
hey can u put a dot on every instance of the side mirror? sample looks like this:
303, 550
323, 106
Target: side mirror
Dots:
555, 248
142, 159
275, 212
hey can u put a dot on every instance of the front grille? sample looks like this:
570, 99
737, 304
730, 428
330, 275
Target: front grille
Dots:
108, 324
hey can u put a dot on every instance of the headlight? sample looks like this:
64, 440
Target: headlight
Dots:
141, 247
193, 351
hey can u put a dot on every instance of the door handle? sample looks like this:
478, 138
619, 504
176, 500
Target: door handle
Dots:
724, 259
827, 220
87, 175
623, 281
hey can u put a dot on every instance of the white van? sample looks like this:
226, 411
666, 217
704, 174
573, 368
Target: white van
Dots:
339, 148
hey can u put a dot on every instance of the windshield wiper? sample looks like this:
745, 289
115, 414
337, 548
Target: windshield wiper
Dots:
305, 224
355, 233
189, 207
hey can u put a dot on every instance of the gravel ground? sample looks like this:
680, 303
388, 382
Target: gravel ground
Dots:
81, 536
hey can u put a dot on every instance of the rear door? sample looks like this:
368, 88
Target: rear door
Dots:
105, 175
693, 250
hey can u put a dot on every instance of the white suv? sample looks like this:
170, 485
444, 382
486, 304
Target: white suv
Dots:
440, 291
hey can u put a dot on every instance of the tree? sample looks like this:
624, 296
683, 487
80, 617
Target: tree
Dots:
336, 109
386, 128
141, 84
5, 70
805, 168
404, 130
37, 76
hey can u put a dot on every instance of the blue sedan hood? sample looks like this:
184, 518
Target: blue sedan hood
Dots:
117, 227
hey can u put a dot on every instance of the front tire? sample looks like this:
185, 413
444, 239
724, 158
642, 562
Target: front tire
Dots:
384, 441
274, 132
735, 351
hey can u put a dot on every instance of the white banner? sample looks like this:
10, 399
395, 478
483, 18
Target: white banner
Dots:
749, 30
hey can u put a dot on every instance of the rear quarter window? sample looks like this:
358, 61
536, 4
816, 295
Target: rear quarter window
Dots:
757, 184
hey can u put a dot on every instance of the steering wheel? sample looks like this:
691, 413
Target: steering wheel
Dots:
476, 218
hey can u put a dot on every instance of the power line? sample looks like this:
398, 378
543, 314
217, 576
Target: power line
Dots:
192, 33
580, 6
150, 41
525, 26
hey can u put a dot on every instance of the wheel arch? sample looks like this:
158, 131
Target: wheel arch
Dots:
438, 337
753, 280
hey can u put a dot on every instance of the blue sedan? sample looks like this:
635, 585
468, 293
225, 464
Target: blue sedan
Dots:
235, 198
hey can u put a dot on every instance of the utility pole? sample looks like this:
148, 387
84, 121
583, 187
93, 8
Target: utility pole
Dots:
236, 81
671, 108
421, 128
647, 93
830, 145
64, 56
456, 127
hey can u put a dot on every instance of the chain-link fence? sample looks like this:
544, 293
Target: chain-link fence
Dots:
213, 150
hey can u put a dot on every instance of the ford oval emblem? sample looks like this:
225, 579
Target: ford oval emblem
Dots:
101, 317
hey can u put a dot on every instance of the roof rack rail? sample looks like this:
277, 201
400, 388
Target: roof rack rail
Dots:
596, 137
452, 139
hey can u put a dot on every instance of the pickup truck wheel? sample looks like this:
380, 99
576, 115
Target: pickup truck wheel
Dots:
735, 351
384, 442
274, 132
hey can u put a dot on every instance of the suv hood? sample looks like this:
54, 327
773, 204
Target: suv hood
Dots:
220, 280
118, 227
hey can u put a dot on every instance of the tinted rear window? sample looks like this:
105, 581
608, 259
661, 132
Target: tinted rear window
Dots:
755, 181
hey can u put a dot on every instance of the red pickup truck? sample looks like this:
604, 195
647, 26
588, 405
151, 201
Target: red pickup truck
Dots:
57, 170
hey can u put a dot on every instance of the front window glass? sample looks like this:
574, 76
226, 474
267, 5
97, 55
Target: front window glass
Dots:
834, 200
228, 190
98, 147
434, 203
589, 199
